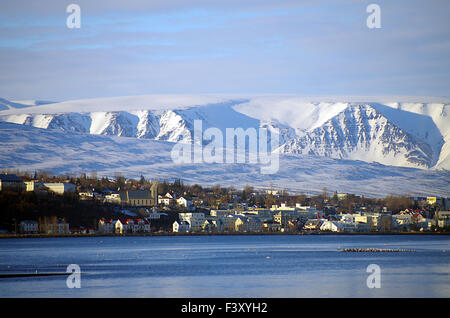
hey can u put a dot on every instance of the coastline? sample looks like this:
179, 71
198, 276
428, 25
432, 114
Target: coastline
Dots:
11, 236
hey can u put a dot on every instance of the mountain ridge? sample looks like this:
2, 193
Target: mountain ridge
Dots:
413, 135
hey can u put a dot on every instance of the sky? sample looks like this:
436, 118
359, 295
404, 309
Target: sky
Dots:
309, 48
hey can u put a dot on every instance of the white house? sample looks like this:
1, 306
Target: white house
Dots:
136, 226
164, 200
181, 226
55, 227
332, 226
110, 226
184, 202
117, 226
195, 220
28, 226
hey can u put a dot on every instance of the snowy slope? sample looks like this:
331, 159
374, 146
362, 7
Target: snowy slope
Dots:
28, 149
360, 132
409, 134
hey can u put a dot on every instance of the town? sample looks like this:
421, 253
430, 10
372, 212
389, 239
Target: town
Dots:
41, 204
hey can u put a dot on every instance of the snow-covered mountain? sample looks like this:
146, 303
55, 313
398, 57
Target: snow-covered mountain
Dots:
29, 149
360, 132
407, 134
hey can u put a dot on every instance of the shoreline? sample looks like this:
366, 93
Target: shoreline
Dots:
10, 236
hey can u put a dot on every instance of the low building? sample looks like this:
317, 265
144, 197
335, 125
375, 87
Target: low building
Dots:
195, 220
54, 225
135, 226
185, 202
181, 226
60, 187
86, 195
313, 224
442, 219
112, 198
332, 226
221, 213
165, 200
105, 226
11, 182
271, 226
28, 227
283, 217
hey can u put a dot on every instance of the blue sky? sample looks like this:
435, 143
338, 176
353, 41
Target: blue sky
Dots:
223, 46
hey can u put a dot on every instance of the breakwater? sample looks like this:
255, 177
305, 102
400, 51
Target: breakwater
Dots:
373, 250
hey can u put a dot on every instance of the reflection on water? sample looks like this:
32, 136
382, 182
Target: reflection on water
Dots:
227, 266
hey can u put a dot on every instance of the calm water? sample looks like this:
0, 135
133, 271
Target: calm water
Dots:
227, 266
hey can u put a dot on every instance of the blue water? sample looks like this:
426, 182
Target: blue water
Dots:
227, 266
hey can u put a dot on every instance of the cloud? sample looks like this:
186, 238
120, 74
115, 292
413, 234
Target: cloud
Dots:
199, 46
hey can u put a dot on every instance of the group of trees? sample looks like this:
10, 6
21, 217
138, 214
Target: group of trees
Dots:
17, 207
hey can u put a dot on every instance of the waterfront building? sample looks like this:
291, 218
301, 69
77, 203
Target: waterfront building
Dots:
195, 220
29, 226
53, 225
181, 226
332, 226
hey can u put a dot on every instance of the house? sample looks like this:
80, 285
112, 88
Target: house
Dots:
105, 226
135, 226
208, 226
110, 226
117, 227
250, 223
227, 223
442, 218
195, 220
180, 227
54, 225
28, 226
332, 226
11, 182
184, 202
112, 198
271, 226
34, 186
283, 217
313, 224
348, 226
164, 200
86, 195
